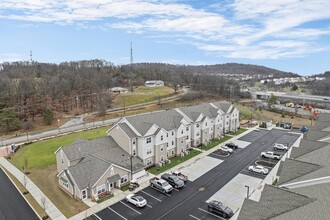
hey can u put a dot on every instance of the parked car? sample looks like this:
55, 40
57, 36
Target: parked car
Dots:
173, 180
271, 155
258, 169
136, 200
226, 149
219, 208
278, 146
160, 185
182, 177
231, 145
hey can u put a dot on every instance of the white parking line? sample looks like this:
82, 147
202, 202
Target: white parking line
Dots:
117, 213
130, 208
176, 189
194, 217
149, 206
97, 217
168, 195
210, 213
151, 196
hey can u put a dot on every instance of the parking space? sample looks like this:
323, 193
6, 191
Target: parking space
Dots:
254, 135
287, 139
202, 213
126, 211
218, 154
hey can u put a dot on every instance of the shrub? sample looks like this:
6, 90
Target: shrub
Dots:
48, 116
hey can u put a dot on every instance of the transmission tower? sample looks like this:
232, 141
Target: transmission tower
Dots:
31, 57
131, 54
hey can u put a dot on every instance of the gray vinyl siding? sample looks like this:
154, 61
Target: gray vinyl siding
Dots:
121, 138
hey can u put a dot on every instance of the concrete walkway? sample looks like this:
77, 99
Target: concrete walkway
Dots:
38, 195
144, 182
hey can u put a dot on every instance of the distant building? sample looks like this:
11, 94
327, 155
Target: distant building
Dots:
119, 90
154, 83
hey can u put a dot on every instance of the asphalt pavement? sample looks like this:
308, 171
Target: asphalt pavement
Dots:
12, 205
189, 202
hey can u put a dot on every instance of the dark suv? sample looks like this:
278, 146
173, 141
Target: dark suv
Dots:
232, 145
220, 209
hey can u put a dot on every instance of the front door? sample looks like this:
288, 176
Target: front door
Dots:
84, 194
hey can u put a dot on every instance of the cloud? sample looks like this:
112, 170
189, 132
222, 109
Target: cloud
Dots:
232, 28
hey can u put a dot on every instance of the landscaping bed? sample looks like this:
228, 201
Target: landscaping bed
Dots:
265, 163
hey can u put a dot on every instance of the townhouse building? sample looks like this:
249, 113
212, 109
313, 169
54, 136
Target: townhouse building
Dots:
230, 116
153, 137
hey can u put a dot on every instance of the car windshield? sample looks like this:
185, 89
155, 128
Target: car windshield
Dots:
139, 198
165, 184
175, 178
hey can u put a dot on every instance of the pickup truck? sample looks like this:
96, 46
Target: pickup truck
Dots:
160, 185
173, 180
271, 155
181, 176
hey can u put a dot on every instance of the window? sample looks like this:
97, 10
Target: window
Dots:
181, 140
149, 161
134, 152
124, 179
65, 183
197, 134
182, 149
149, 151
172, 142
100, 189
161, 148
218, 119
212, 122
172, 152
182, 131
197, 125
227, 116
148, 140
166, 134
205, 123
161, 137
187, 128
62, 159
172, 133
187, 137
227, 123
133, 142
162, 158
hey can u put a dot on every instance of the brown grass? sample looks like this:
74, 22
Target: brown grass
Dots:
47, 181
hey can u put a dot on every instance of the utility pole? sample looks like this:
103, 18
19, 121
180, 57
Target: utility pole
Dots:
131, 53
31, 60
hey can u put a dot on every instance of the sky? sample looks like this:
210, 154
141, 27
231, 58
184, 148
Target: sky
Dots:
288, 35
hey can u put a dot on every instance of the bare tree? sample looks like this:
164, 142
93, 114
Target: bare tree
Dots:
25, 182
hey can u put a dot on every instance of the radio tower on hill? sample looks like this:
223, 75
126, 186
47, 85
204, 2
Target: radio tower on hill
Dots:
131, 54
31, 57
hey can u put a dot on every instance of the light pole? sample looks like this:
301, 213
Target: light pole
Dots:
248, 191
58, 125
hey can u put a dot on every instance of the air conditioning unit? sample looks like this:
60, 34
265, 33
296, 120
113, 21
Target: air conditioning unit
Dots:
160, 164
187, 152
168, 161
182, 154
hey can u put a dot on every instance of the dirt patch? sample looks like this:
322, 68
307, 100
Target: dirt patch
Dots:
47, 181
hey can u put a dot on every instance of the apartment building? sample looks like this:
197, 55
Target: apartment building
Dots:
230, 116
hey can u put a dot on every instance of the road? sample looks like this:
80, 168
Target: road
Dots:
77, 123
190, 201
12, 205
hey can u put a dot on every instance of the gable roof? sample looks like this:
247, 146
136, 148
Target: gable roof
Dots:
292, 169
127, 130
306, 146
223, 105
169, 120
88, 171
193, 112
274, 201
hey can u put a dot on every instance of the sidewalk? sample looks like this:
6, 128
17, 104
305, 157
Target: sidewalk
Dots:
51, 209
145, 182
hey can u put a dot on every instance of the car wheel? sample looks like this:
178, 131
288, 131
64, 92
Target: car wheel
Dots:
126, 200
137, 205
263, 173
275, 148
224, 215
176, 186
164, 191
210, 209
152, 185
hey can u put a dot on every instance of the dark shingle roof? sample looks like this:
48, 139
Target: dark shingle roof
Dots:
306, 146
127, 130
292, 169
168, 120
321, 126
324, 117
223, 105
274, 201
315, 135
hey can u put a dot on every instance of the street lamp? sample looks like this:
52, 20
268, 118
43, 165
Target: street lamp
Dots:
131, 162
248, 191
58, 124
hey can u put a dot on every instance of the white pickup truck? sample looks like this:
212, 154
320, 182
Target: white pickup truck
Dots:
271, 155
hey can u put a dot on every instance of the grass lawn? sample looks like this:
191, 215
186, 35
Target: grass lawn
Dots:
142, 94
174, 161
216, 142
41, 154
240, 131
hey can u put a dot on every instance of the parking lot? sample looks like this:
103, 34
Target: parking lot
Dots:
287, 139
125, 210
223, 157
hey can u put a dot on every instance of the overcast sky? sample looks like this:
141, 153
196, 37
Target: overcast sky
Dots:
289, 35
